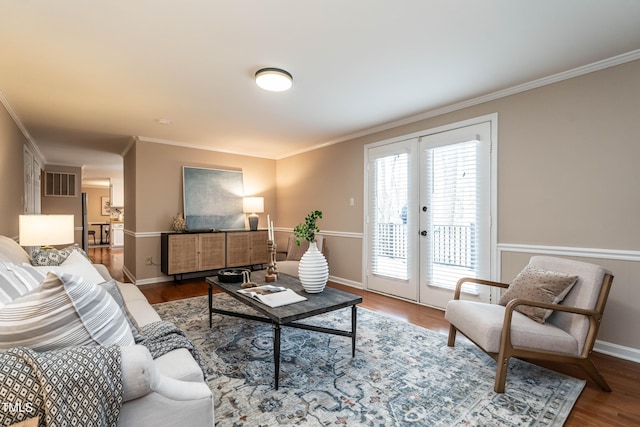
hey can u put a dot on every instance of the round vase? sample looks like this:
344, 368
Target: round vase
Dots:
313, 270
179, 223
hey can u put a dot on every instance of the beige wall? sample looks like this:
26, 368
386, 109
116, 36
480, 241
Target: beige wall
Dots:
65, 205
12, 183
153, 172
326, 179
567, 171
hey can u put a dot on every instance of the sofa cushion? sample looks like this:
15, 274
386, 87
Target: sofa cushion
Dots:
43, 257
141, 312
63, 312
538, 285
17, 280
76, 264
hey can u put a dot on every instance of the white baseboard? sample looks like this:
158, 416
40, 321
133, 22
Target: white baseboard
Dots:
616, 350
346, 282
148, 281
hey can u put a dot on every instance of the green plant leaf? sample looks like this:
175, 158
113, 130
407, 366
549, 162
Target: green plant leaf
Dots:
308, 229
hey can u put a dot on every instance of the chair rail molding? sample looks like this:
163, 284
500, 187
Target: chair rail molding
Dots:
613, 254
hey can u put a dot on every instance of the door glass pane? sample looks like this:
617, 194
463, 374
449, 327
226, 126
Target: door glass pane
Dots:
453, 213
389, 216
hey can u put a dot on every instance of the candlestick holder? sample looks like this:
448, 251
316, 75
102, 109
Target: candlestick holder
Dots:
272, 268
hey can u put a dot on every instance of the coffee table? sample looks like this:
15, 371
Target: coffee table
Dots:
287, 315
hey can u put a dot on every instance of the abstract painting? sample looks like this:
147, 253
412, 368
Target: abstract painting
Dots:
213, 198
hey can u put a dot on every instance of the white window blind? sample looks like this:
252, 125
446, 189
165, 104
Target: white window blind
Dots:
389, 191
454, 214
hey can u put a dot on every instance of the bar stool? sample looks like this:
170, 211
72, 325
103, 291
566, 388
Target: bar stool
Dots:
92, 233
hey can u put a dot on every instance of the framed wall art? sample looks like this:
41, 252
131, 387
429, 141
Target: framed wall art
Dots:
213, 198
105, 204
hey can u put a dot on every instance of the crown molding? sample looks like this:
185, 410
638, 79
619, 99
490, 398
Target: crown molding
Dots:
196, 146
544, 81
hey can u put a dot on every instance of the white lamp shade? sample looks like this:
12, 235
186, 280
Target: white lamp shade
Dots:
253, 204
46, 230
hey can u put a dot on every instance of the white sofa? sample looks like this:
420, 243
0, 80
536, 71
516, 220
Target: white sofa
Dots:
287, 261
167, 391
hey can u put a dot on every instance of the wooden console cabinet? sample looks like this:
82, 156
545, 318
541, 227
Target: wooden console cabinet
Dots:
183, 253
247, 248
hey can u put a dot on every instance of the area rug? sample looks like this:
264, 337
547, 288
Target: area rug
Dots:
402, 375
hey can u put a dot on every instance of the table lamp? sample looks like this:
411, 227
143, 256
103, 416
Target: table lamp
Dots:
46, 230
254, 205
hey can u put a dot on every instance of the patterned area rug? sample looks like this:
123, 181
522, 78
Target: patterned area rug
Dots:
402, 375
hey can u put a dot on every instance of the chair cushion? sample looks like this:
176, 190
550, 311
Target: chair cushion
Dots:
482, 323
538, 285
63, 312
295, 252
584, 293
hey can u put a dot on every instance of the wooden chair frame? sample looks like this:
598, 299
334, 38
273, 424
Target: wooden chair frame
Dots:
507, 350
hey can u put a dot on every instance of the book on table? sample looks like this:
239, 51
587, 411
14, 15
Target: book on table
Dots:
273, 296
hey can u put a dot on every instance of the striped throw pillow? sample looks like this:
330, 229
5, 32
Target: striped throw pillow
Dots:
17, 280
65, 311
75, 263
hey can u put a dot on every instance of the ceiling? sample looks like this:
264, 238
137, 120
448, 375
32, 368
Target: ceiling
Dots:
83, 77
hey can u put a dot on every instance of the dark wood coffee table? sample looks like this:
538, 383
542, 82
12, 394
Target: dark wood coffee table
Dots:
328, 300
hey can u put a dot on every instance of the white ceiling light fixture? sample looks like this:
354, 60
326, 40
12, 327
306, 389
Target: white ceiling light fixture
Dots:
274, 79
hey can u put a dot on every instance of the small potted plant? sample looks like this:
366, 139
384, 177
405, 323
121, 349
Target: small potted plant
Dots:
313, 270
308, 229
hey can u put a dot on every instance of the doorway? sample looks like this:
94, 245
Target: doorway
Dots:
431, 212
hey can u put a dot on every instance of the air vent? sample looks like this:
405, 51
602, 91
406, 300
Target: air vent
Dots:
60, 184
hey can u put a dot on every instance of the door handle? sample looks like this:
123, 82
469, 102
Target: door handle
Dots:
423, 233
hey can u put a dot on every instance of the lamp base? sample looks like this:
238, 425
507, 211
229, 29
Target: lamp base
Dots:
253, 222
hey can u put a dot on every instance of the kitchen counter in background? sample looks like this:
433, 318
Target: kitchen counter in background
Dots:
117, 234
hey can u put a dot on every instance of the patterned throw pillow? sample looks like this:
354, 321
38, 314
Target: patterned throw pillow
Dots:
17, 280
65, 311
538, 285
52, 257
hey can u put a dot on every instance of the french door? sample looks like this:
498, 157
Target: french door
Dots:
392, 195
429, 214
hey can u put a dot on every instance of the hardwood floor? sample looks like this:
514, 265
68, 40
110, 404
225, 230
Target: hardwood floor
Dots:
594, 407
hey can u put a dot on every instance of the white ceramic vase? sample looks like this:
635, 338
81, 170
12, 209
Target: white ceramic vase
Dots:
313, 270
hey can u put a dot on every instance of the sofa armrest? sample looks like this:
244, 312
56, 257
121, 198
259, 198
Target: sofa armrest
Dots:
140, 377
104, 272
